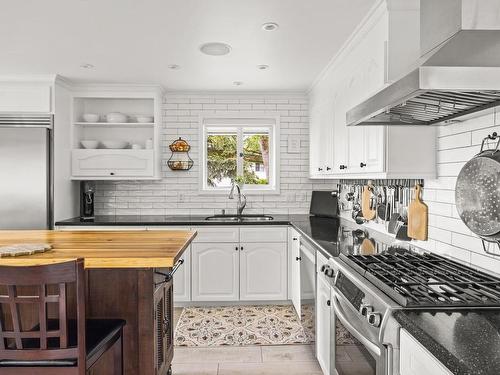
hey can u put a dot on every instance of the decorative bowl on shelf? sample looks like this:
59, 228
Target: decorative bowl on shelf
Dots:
145, 119
90, 144
90, 117
115, 144
116, 117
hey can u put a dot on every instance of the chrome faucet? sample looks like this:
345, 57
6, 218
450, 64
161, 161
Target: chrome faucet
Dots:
241, 203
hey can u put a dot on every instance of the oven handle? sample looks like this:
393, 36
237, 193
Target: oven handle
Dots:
340, 314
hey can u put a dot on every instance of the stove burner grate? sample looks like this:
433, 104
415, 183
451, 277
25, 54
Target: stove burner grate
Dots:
427, 280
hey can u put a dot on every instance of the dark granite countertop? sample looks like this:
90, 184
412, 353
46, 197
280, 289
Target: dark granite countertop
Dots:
146, 220
467, 342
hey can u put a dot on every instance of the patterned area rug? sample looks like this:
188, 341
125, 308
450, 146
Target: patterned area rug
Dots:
243, 325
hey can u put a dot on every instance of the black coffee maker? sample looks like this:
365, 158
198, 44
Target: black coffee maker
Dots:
87, 192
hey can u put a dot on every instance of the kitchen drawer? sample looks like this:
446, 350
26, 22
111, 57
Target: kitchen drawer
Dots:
112, 163
263, 234
217, 234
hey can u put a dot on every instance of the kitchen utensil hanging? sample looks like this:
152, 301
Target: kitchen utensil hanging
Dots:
477, 192
418, 216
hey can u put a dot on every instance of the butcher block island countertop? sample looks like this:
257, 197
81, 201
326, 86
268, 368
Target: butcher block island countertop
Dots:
101, 249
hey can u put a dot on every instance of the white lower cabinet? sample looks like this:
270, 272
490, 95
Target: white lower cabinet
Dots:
263, 271
323, 316
215, 271
294, 269
417, 360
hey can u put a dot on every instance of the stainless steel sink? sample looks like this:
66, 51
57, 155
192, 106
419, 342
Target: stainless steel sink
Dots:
239, 218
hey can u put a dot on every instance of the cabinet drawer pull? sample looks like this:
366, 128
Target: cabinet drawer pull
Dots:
112, 173
328, 168
342, 166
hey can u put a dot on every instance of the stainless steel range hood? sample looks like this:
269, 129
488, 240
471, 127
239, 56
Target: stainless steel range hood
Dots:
459, 72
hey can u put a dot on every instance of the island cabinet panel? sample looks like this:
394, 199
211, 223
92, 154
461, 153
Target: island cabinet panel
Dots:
143, 298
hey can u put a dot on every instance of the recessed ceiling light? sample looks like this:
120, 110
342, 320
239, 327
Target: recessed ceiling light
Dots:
270, 26
263, 67
215, 49
237, 83
87, 66
174, 66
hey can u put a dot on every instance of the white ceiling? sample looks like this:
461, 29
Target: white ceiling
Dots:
134, 41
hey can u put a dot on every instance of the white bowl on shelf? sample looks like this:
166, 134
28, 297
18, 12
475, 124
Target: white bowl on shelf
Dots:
145, 119
90, 144
90, 117
116, 117
115, 144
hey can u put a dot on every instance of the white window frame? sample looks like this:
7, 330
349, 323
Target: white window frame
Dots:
247, 121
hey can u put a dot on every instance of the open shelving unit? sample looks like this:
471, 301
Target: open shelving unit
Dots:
116, 164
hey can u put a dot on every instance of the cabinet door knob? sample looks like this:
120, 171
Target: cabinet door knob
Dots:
328, 168
320, 169
298, 258
112, 173
241, 248
236, 248
342, 166
295, 238
362, 164
328, 303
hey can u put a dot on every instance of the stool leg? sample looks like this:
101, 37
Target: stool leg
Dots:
118, 355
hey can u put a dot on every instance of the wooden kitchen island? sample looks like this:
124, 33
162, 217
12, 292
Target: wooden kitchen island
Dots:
127, 277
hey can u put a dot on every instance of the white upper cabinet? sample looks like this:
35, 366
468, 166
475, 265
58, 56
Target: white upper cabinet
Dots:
127, 149
384, 47
25, 97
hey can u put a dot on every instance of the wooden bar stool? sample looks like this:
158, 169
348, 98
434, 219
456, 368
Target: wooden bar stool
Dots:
43, 331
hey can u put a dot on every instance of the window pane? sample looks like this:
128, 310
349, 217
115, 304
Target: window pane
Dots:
221, 159
256, 158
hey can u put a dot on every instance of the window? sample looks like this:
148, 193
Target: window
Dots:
244, 149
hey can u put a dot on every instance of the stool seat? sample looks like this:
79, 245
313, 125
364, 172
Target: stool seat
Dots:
101, 334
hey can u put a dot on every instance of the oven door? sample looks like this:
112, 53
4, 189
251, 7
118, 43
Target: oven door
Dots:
355, 352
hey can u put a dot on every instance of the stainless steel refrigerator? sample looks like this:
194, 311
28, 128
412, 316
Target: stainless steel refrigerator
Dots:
26, 181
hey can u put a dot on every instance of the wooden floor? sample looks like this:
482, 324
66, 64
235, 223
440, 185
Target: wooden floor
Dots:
248, 360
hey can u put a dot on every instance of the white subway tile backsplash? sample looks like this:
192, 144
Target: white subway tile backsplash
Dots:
177, 193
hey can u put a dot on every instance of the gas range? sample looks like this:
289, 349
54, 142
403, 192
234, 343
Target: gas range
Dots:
370, 279
426, 280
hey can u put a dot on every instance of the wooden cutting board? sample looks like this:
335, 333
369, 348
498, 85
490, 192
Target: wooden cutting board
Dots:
418, 216
368, 212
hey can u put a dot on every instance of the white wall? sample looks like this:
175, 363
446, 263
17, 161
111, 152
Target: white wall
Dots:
457, 143
177, 193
